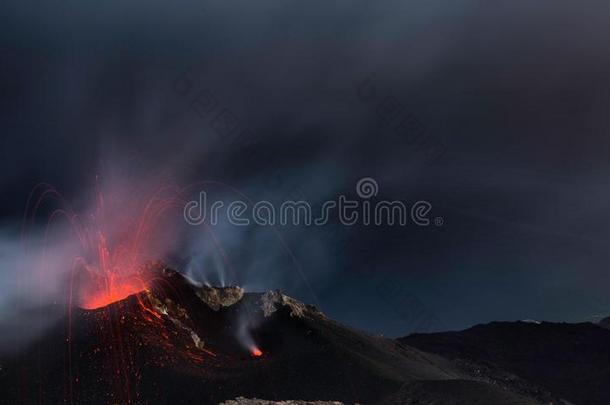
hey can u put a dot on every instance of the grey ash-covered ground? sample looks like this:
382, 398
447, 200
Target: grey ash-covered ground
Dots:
247, 401
183, 343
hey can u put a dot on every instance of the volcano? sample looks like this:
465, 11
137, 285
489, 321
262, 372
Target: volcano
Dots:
181, 342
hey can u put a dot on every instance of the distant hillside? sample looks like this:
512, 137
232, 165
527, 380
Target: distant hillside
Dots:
571, 361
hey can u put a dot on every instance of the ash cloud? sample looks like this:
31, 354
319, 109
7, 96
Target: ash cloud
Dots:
35, 286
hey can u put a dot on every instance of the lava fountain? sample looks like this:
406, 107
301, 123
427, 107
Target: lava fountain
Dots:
116, 241
118, 269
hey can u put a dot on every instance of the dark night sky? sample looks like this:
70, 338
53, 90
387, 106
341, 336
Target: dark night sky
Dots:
516, 94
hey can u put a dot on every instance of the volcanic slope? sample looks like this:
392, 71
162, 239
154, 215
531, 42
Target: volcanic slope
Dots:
178, 342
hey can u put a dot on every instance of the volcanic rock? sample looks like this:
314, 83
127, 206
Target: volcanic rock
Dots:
244, 401
273, 300
220, 297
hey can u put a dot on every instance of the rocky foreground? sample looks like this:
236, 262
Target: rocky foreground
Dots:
244, 401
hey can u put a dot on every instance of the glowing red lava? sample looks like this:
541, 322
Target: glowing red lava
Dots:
109, 249
115, 246
256, 352
111, 277
115, 290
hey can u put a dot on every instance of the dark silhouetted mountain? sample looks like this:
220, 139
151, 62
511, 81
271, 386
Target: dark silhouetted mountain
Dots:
571, 361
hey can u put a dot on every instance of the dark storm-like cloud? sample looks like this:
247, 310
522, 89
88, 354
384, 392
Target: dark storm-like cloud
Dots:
515, 95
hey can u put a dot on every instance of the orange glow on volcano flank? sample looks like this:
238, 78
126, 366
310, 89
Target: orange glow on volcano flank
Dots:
116, 290
256, 352
109, 249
